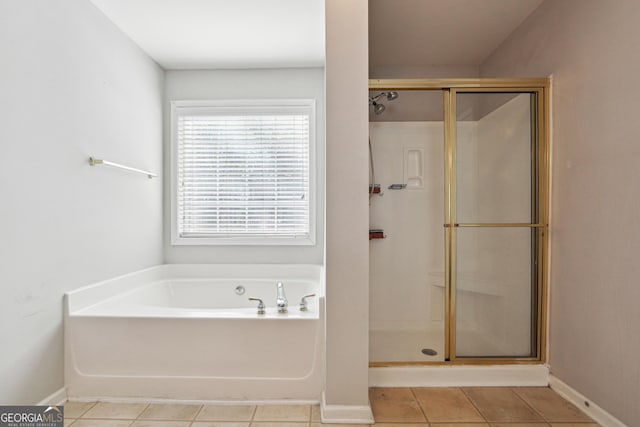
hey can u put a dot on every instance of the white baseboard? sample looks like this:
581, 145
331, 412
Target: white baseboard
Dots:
345, 414
460, 376
594, 411
56, 398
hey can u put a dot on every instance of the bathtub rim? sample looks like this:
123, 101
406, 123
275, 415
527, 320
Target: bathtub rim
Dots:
89, 295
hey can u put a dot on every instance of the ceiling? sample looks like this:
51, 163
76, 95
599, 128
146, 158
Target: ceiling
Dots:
436, 38
193, 34
420, 33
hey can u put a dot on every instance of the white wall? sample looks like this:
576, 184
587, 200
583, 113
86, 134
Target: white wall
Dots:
418, 72
591, 48
347, 248
246, 84
72, 86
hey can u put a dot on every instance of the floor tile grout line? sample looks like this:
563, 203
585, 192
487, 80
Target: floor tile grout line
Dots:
415, 398
168, 419
193, 419
530, 406
197, 414
87, 410
140, 414
474, 405
253, 414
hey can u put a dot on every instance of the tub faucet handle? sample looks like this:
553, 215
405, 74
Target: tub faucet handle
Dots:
281, 299
261, 306
303, 302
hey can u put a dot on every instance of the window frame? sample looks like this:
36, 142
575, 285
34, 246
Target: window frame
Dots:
240, 106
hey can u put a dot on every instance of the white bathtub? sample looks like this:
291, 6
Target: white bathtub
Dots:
182, 332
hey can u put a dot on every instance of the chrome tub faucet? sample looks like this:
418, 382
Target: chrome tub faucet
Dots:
304, 305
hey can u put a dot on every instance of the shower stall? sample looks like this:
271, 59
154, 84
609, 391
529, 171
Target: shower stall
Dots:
458, 220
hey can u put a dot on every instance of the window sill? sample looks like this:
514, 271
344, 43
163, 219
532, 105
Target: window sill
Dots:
242, 241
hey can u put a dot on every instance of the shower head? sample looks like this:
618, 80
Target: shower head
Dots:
379, 108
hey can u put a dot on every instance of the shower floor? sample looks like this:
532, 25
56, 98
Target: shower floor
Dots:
407, 345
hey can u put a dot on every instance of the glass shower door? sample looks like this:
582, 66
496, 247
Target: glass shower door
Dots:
494, 222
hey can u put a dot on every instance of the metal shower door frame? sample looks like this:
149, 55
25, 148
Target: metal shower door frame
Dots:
540, 206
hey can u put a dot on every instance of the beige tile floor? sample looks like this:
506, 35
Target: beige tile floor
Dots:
392, 407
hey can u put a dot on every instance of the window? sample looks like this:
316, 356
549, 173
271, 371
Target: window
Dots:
243, 172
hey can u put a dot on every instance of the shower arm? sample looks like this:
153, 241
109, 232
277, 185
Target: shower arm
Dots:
390, 97
373, 99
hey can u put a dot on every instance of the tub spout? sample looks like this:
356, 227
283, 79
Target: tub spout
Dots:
281, 299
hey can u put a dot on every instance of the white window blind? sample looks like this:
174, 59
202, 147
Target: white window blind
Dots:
243, 171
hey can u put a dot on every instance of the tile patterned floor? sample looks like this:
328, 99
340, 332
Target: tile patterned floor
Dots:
392, 407
474, 407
